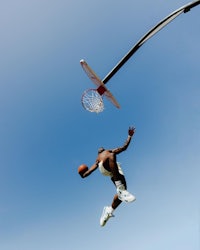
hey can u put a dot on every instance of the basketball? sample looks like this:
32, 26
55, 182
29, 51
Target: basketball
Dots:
82, 169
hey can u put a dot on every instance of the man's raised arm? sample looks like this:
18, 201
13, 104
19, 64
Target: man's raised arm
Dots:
131, 132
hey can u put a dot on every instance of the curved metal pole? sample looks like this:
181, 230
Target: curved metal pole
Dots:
148, 35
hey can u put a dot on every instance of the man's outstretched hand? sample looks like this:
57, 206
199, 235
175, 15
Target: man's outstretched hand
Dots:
131, 131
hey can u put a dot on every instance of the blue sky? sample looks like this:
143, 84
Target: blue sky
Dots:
46, 134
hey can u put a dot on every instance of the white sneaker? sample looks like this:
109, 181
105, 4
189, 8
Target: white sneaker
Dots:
124, 195
106, 215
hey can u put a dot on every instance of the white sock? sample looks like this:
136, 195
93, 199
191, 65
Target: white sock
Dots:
119, 184
111, 209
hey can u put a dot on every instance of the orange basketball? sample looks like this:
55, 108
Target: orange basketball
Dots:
82, 169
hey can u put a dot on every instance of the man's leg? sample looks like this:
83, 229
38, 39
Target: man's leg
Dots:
122, 194
116, 201
108, 211
116, 176
120, 182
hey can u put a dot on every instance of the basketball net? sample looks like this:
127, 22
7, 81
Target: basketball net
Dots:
92, 101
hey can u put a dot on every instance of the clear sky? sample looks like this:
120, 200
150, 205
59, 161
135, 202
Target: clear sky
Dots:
46, 134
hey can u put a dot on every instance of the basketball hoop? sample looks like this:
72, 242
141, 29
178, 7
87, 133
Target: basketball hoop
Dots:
92, 98
92, 101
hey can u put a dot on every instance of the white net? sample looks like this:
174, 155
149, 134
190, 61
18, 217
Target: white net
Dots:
92, 101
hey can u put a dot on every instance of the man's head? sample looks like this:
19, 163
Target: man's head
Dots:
100, 150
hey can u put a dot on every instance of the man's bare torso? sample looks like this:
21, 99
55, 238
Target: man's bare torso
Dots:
107, 157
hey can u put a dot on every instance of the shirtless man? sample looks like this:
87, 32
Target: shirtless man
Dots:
107, 163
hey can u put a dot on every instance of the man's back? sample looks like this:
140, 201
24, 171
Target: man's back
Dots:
107, 157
